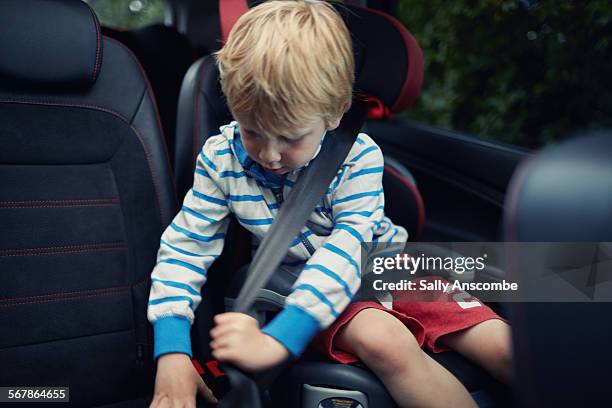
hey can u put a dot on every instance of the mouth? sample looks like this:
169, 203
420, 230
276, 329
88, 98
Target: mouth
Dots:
280, 170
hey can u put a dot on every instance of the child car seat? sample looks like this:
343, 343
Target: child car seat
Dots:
202, 109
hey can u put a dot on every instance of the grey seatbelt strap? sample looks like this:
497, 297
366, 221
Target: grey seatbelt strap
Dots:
294, 212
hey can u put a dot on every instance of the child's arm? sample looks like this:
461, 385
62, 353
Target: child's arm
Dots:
332, 275
188, 247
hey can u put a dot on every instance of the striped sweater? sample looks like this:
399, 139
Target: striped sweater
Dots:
326, 254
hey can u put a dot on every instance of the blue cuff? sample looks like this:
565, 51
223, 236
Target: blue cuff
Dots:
171, 335
293, 328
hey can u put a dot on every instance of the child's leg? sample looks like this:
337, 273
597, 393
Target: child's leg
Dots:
389, 349
487, 344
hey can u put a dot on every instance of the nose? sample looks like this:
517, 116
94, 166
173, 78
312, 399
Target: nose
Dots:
269, 153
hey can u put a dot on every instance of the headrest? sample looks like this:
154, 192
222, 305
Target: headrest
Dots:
49, 42
388, 60
564, 193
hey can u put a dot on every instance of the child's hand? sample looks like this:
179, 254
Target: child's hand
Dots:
238, 340
177, 381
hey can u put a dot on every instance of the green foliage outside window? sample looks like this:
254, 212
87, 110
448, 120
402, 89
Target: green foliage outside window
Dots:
523, 72
128, 14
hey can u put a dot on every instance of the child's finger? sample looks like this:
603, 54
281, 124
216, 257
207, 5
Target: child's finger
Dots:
223, 330
226, 317
233, 317
206, 392
223, 354
229, 340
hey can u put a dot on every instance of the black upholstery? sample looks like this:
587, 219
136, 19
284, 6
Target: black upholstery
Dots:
201, 110
86, 193
165, 55
562, 350
31, 55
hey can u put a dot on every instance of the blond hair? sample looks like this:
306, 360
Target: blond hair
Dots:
285, 63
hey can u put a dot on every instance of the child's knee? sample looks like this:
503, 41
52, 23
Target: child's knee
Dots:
383, 339
502, 352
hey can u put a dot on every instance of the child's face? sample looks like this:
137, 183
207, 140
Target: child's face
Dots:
280, 154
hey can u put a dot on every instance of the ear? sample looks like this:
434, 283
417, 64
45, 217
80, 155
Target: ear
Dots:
336, 121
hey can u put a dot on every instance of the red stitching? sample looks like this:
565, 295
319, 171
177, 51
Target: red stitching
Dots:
157, 115
69, 298
65, 252
118, 115
61, 201
64, 247
417, 196
98, 43
58, 206
52, 295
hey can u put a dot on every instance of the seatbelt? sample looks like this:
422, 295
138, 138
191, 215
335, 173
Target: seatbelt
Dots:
292, 215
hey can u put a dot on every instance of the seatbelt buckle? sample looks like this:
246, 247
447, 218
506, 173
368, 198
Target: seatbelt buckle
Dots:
213, 376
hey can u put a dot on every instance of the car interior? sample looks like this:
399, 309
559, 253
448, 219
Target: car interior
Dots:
101, 129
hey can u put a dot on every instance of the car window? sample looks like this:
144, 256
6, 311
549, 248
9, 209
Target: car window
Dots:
525, 72
128, 14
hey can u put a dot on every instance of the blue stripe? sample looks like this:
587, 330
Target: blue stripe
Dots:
289, 183
338, 251
195, 236
208, 162
273, 206
182, 251
171, 299
318, 294
332, 275
223, 151
234, 174
202, 172
178, 262
210, 199
349, 213
357, 196
297, 239
339, 176
177, 285
197, 214
364, 152
360, 141
350, 230
371, 170
245, 197
256, 221
390, 241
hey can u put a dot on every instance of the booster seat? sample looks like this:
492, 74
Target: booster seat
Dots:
392, 81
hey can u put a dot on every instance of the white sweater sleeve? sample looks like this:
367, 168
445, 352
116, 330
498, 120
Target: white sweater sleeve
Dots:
188, 247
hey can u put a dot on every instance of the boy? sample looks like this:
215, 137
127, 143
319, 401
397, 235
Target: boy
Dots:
287, 73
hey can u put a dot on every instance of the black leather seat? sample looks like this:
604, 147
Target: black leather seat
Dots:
562, 350
86, 193
165, 55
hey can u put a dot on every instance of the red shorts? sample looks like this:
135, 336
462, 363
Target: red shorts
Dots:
427, 320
